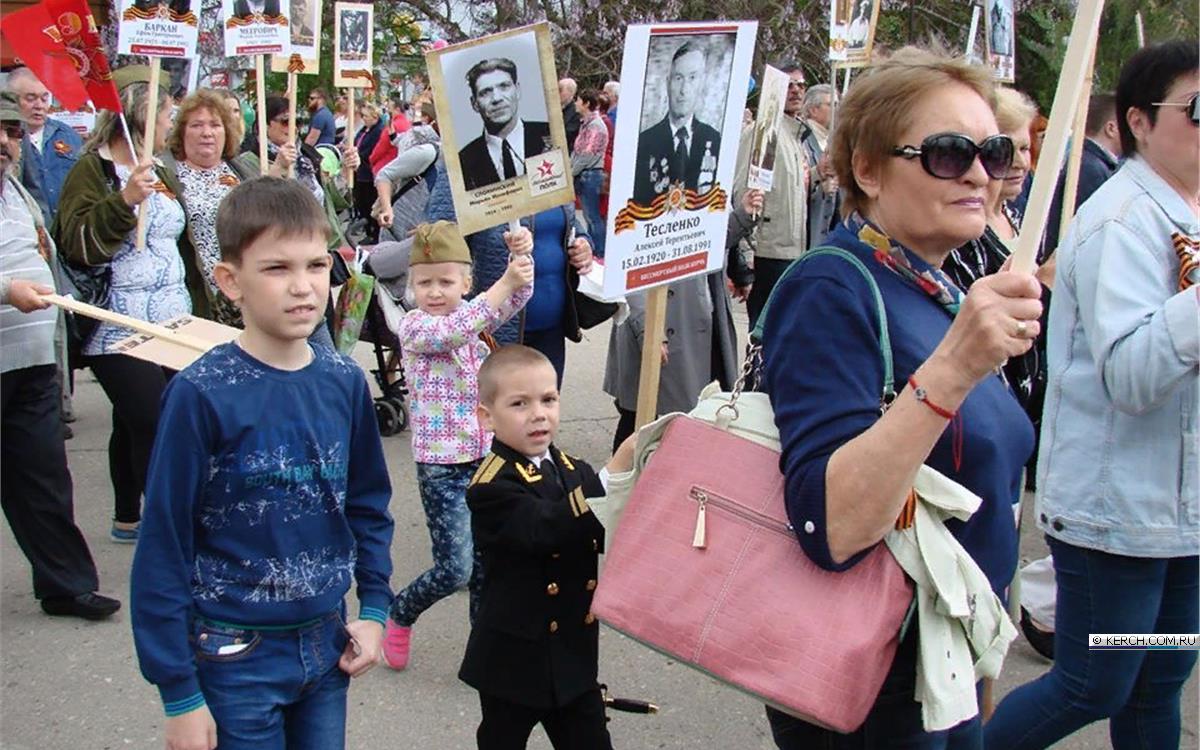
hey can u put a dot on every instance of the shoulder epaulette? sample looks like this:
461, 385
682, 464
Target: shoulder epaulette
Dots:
492, 464
566, 461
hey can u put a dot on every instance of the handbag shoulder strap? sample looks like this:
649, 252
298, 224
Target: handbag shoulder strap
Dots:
885, 342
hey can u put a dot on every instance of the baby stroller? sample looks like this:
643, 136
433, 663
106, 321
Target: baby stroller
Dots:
388, 263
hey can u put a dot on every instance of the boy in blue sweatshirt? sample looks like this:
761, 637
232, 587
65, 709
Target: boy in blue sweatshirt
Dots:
267, 493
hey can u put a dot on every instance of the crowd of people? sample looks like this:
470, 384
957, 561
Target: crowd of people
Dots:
1080, 380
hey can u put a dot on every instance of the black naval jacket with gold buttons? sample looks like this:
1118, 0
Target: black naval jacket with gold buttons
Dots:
535, 640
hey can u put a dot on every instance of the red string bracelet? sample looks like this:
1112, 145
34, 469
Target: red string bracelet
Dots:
920, 394
955, 420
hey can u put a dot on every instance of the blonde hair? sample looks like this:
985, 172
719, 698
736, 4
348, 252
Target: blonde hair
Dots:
135, 100
1014, 110
369, 108
882, 104
213, 101
410, 294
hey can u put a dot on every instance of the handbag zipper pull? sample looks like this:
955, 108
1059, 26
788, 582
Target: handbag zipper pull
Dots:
698, 537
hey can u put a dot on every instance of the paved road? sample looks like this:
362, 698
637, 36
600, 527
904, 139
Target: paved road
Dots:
70, 685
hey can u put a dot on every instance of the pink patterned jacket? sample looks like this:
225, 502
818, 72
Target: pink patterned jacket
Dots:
441, 357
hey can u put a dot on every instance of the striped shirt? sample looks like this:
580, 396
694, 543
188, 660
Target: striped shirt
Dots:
26, 339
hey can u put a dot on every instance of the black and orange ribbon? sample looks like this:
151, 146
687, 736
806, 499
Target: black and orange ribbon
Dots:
713, 200
352, 74
141, 14
235, 22
295, 63
1188, 251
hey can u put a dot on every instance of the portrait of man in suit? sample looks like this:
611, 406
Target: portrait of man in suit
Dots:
353, 40
679, 147
302, 22
248, 9
499, 153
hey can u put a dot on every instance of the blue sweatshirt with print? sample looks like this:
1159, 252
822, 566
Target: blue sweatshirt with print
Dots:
267, 493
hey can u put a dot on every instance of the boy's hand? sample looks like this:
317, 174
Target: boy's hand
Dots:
519, 242
519, 272
365, 648
622, 460
194, 730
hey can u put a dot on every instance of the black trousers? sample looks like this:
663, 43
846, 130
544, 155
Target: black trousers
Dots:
135, 388
767, 272
35, 484
579, 725
365, 194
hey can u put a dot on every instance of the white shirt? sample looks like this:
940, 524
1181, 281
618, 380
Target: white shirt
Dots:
516, 142
37, 138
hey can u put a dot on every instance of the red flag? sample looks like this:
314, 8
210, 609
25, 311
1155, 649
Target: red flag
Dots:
35, 38
81, 37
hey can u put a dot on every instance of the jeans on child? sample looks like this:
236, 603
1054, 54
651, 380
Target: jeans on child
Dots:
274, 689
444, 495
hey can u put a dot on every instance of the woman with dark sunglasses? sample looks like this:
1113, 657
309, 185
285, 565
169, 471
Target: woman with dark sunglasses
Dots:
1117, 470
915, 148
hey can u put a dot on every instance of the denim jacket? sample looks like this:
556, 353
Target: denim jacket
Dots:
61, 148
1118, 463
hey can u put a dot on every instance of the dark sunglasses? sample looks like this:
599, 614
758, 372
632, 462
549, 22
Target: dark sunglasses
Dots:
1191, 106
284, 121
14, 130
948, 156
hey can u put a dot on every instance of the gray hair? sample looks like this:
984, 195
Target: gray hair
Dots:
612, 88
813, 97
22, 73
135, 100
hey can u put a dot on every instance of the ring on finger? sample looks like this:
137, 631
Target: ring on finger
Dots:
1022, 329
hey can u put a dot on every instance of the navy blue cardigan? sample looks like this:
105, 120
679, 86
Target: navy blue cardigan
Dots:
824, 375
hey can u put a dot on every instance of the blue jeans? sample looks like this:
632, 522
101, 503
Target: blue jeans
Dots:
894, 722
284, 690
444, 495
1137, 691
588, 185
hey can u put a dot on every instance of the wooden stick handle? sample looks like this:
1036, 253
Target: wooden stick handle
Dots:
1071, 186
349, 136
148, 146
1062, 114
141, 326
292, 117
651, 372
260, 90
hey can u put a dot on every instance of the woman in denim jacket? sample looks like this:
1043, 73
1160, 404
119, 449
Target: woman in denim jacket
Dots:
1118, 462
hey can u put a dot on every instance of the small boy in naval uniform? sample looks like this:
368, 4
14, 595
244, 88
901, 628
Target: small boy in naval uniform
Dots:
533, 650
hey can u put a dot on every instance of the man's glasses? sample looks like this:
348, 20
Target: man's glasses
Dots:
948, 156
1192, 107
14, 130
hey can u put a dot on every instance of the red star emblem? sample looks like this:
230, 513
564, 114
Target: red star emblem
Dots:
546, 168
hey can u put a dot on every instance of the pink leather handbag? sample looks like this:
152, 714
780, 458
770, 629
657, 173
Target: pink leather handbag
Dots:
706, 568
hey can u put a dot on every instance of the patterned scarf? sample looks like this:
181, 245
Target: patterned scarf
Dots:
893, 256
933, 282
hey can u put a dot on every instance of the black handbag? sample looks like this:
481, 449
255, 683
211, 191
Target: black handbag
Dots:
590, 312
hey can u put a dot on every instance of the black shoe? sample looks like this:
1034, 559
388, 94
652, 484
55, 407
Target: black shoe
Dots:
89, 606
1041, 640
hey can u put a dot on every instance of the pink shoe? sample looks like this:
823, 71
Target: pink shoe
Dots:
396, 642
